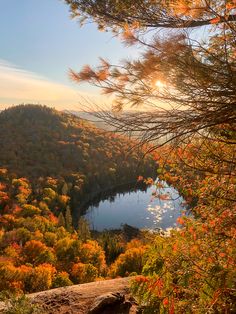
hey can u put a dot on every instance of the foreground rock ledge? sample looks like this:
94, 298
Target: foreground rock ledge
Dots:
100, 297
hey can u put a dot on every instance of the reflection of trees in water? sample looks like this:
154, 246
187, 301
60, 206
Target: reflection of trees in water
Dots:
111, 194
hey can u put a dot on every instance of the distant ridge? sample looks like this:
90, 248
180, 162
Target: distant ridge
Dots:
90, 118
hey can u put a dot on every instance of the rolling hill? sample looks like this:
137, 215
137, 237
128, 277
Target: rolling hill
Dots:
38, 142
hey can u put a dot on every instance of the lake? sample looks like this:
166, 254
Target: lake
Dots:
137, 208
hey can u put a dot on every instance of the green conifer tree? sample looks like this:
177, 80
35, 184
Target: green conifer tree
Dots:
83, 229
68, 220
61, 220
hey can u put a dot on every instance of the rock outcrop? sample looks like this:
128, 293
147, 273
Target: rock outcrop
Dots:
100, 297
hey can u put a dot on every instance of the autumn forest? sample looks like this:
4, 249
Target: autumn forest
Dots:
172, 121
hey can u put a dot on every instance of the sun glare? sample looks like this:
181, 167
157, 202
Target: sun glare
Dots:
159, 84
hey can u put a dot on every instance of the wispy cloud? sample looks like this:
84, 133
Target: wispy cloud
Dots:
18, 86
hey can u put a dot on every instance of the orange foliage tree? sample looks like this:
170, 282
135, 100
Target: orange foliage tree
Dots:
131, 261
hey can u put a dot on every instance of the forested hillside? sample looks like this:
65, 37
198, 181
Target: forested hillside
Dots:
39, 142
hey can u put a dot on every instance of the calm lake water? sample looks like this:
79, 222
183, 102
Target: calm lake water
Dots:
137, 208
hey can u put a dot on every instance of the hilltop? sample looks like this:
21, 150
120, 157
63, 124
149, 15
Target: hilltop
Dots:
40, 141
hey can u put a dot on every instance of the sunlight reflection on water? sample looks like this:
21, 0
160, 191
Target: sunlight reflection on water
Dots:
139, 209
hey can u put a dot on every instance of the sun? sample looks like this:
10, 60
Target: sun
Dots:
159, 84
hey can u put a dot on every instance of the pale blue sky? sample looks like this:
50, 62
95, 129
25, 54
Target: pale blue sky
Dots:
39, 43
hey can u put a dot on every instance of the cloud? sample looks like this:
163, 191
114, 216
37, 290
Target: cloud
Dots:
18, 86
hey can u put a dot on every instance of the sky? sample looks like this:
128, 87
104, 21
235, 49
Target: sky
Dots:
39, 43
